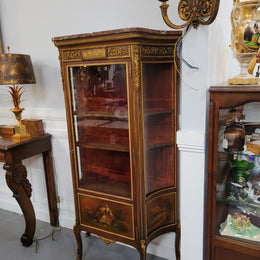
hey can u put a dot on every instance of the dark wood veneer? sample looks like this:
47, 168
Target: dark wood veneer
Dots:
12, 153
121, 92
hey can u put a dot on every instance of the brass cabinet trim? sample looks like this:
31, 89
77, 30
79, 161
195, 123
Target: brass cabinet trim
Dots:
104, 52
71, 55
74, 154
119, 51
157, 51
90, 54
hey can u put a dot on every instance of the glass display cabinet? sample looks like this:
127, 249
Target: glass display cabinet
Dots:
233, 194
120, 92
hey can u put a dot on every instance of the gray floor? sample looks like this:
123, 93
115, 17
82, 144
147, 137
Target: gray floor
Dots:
62, 247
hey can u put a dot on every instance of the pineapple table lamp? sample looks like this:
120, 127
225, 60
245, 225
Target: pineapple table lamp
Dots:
17, 69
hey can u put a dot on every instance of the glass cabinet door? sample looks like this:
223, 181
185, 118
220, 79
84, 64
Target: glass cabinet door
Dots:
159, 125
238, 173
100, 110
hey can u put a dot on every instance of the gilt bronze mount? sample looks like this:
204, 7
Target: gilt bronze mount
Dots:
193, 12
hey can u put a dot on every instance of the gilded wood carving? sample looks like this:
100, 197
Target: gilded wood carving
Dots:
136, 62
71, 55
121, 51
158, 51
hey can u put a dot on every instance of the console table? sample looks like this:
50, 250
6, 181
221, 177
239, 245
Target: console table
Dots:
12, 153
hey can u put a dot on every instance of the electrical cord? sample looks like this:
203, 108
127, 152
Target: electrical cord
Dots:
177, 49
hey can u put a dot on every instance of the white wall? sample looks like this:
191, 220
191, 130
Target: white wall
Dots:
28, 26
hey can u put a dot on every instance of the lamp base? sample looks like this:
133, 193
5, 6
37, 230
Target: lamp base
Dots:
20, 133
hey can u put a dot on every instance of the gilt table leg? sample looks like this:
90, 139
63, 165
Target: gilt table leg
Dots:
16, 178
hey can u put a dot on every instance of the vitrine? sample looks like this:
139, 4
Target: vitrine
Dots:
120, 91
233, 194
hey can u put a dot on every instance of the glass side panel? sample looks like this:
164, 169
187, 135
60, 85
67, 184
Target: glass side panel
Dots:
238, 173
100, 110
159, 125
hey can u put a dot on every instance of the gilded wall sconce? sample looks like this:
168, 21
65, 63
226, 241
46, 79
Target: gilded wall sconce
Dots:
193, 12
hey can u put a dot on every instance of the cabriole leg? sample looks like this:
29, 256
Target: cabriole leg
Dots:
177, 241
16, 179
142, 250
77, 234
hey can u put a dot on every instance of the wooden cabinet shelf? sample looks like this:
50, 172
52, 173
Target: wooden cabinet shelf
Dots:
114, 184
161, 145
110, 147
157, 112
121, 114
120, 92
102, 114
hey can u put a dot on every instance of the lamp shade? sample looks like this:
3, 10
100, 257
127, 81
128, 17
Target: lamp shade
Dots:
16, 69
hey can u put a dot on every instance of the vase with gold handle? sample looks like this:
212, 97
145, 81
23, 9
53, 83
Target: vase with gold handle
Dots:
245, 37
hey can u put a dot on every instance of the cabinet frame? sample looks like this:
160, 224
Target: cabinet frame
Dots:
133, 47
224, 97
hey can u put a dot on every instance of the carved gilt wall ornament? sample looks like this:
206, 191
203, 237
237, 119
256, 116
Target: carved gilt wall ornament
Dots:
193, 12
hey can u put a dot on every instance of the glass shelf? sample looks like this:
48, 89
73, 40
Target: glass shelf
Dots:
102, 114
242, 153
247, 205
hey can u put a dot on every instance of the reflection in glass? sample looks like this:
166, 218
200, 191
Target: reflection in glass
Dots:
159, 127
238, 173
100, 108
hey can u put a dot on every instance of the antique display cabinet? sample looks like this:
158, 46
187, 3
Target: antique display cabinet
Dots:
233, 194
120, 90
